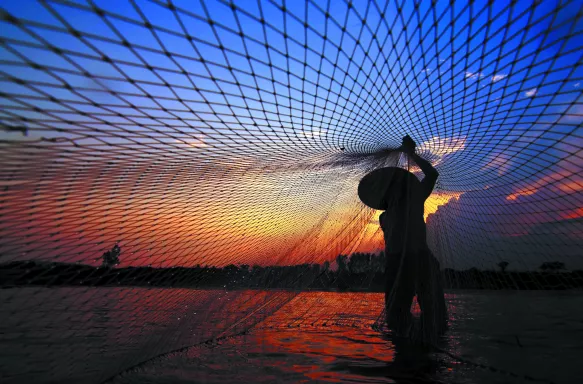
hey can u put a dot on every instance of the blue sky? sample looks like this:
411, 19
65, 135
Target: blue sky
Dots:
491, 92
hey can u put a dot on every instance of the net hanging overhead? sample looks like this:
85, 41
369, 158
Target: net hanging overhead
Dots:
222, 138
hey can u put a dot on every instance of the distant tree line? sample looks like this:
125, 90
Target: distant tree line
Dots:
356, 272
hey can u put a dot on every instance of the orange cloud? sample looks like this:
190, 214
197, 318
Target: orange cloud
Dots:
565, 181
438, 199
574, 214
570, 186
371, 236
521, 192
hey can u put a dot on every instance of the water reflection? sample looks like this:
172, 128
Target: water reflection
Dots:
316, 337
87, 335
336, 331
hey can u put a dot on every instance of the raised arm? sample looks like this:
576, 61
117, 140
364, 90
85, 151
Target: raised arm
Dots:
425, 166
431, 174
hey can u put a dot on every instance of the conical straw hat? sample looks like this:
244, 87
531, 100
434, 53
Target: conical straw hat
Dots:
375, 186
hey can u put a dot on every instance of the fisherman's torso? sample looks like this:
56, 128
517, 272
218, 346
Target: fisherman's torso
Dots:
404, 227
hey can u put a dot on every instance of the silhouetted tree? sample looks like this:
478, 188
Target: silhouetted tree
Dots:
341, 261
360, 262
231, 270
111, 258
315, 270
378, 262
552, 266
503, 265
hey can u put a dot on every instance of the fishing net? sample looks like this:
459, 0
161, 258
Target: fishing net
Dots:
175, 173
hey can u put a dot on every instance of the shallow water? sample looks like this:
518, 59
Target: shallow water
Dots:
92, 335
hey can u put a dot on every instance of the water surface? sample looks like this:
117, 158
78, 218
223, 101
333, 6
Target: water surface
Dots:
93, 335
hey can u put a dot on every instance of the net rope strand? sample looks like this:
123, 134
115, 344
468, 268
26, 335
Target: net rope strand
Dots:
209, 135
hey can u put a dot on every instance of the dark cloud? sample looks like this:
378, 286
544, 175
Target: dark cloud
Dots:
484, 227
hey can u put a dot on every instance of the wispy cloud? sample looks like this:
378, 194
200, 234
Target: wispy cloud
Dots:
474, 75
479, 75
531, 93
498, 77
501, 161
197, 142
442, 146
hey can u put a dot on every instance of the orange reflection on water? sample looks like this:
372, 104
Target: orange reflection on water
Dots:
330, 326
333, 334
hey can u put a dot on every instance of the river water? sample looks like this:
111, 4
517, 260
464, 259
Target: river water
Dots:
138, 335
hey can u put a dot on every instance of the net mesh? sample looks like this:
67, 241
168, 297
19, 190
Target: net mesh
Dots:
215, 145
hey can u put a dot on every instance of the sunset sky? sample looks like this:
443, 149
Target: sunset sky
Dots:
209, 133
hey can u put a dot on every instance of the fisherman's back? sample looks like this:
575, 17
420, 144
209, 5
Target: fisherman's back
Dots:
404, 227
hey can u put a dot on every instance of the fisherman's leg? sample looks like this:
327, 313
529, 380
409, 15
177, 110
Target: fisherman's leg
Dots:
399, 293
431, 298
440, 297
437, 292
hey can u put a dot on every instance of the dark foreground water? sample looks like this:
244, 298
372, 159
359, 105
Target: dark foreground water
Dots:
135, 335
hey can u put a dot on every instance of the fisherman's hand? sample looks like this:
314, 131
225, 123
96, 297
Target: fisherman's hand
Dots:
408, 145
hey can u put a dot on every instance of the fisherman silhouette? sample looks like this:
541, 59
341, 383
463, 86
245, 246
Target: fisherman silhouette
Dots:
411, 268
